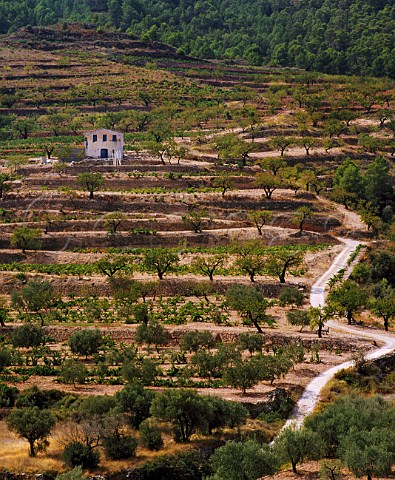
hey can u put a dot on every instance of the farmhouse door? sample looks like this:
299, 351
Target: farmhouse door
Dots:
104, 153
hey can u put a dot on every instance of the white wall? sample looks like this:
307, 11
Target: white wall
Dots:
93, 148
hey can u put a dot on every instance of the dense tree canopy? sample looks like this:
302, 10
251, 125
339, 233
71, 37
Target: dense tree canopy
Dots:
322, 35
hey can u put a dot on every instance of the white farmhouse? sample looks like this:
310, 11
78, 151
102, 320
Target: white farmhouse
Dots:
104, 143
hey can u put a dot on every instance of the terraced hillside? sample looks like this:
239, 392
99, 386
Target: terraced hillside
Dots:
194, 258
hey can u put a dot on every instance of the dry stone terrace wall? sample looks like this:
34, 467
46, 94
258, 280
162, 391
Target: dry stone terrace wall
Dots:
114, 183
126, 334
132, 203
101, 203
152, 203
173, 224
100, 225
142, 164
168, 287
72, 240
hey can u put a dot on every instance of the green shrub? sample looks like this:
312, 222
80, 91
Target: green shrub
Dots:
291, 296
5, 358
298, 318
27, 336
8, 396
43, 399
189, 465
150, 435
86, 342
120, 447
77, 454
51, 475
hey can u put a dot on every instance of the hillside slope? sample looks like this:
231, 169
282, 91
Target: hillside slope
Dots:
333, 36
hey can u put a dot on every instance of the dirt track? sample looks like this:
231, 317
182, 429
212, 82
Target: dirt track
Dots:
311, 394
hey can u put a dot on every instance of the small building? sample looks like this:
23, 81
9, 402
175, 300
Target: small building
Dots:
105, 144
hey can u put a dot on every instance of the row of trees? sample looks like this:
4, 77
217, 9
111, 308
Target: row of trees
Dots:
135, 301
251, 258
163, 118
200, 356
38, 298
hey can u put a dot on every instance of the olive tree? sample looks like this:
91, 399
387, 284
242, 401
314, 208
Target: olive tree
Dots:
38, 296
197, 339
73, 371
243, 373
383, 302
368, 452
34, 425
347, 299
294, 445
86, 342
184, 408
27, 336
243, 461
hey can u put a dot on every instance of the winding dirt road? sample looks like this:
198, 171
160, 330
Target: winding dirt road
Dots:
310, 396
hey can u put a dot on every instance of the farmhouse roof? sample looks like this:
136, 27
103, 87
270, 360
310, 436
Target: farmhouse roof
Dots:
102, 130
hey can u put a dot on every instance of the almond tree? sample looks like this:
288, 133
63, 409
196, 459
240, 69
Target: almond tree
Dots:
281, 143
5, 178
224, 182
113, 221
301, 215
278, 264
260, 218
250, 304
26, 238
268, 182
160, 260
196, 219
209, 264
90, 181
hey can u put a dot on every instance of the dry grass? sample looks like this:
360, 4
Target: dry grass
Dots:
14, 453
15, 458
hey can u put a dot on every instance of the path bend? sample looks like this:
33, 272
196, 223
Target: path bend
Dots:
310, 396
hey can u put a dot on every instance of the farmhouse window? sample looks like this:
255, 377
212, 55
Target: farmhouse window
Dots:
95, 138
104, 138
114, 138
